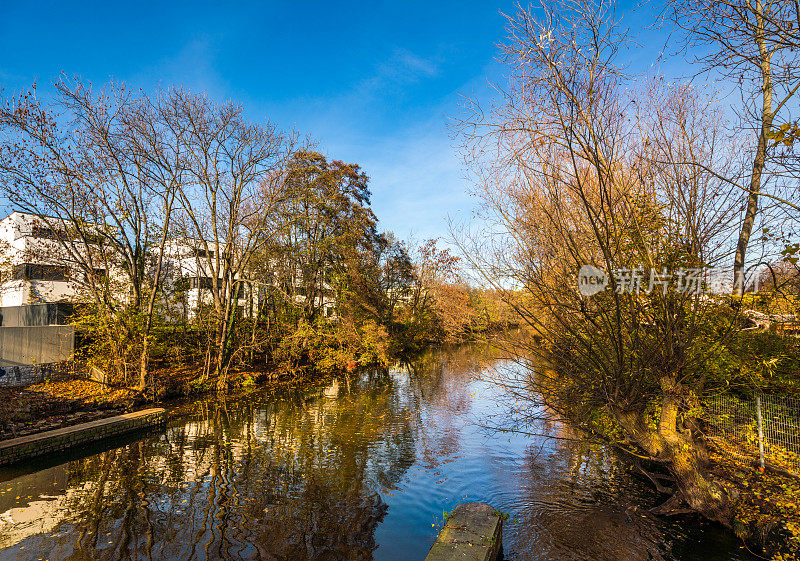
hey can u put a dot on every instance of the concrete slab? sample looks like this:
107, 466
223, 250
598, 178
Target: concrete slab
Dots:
17, 449
473, 532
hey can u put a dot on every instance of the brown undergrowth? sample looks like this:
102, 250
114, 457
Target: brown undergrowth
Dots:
49, 406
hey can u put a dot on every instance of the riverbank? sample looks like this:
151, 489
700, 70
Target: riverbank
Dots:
65, 402
53, 405
65, 440
766, 505
48, 406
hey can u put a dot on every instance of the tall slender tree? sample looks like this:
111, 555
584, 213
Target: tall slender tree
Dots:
755, 47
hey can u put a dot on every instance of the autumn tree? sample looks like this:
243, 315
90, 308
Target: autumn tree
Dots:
438, 305
395, 276
579, 164
330, 230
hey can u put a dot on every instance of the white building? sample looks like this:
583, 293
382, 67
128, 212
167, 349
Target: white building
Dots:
187, 266
34, 267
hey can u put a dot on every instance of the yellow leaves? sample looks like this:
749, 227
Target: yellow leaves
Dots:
785, 134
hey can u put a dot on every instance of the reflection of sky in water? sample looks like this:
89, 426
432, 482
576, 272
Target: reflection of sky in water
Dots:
354, 471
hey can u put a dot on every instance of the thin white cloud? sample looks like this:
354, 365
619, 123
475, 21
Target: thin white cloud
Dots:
413, 64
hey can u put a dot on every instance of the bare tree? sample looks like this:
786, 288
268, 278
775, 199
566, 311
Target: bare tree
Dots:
578, 165
97, 169
232, 182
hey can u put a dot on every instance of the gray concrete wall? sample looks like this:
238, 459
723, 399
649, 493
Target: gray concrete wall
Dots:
35, 315
32, 338
23, 346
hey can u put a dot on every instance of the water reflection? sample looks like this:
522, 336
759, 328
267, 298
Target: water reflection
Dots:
360, 469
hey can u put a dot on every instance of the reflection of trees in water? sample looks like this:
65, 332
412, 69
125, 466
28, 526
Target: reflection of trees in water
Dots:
579, 501
297, 479
442, 375
299, 476
439, 380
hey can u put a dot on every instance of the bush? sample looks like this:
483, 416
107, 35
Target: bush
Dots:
326, 347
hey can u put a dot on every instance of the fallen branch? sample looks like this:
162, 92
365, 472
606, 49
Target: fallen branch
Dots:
653, 478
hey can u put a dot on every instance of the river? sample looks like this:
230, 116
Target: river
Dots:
356, 469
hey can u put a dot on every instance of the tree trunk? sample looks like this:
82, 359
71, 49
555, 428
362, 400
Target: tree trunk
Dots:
751, 210
678, 452
153, 294
759, 161
143, 364
219, 367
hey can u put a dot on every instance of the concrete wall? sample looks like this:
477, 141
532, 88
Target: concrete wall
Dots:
32, 339
36, 345
35, 315
28, 353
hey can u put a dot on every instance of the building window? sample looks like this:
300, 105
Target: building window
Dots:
46, 232
93, 238
31, 271
98, 275
202, 253
206, 283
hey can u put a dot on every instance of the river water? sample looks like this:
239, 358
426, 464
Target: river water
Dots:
353, 470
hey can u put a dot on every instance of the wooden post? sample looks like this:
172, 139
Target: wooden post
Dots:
760, 434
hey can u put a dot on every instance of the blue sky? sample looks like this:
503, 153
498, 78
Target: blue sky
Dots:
372, 83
